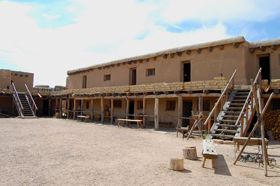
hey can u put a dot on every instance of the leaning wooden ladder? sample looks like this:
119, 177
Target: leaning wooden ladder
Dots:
197, 122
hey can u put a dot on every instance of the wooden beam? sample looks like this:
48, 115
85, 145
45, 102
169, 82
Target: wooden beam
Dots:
180, 111
144, 112
127, 108
91, 110
74, 109
156, 116
112, 112
102, 110
200, 104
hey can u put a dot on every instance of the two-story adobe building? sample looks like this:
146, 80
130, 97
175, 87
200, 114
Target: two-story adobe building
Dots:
169, 86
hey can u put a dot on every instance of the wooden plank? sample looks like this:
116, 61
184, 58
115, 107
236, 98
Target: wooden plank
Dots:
156, 111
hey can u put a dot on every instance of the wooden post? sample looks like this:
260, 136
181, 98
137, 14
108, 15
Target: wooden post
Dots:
200, 104
68, 107
60, 107
50, 106
102, 110
91, 109
144, 112
82, 106
156, 117
112, 112
180, 110
74, 109
127, 108
56, 103
264, 150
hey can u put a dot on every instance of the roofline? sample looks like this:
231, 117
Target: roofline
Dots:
272, 42
239, 39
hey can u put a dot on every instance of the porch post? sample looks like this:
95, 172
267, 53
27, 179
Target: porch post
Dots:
74, 109
180, 110
127, 108
144, 112
200, 104
102, 109
112, 111
156, 119
91, 109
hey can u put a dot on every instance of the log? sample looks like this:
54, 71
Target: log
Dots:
176, 164
190, 153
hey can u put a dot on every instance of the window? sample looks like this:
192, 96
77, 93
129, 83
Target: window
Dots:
84, 83
139, 105
276, 105
206, 105
20, 75
170, 105
151, 72
26, 75
117, 103
107, 77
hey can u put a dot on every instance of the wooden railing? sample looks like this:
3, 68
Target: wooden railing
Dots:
34, 106
230, 85
245, 108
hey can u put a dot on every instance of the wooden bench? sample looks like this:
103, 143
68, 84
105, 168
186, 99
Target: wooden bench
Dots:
209, 152
83, 117
124, 121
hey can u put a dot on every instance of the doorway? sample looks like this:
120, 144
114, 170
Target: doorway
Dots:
131, 109
264, 63
45, 107
187, 72
132, 76
187, 112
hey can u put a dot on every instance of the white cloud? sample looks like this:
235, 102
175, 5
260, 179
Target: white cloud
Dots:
104, 30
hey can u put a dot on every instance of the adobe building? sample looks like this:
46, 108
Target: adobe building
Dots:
19, 78
169, 87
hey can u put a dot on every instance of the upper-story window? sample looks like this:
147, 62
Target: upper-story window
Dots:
151, 72
84, 83
107, 77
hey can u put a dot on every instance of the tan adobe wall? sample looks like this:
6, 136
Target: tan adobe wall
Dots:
274, 60
205, 65
5, 79
21, 78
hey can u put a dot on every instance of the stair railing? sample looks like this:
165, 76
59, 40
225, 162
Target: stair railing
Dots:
17, 100
31, 100
245, 108
230, 85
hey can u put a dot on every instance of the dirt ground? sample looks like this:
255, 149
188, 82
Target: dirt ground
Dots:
65, 152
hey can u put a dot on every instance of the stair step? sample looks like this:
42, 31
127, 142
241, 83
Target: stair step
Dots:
223, 136
231, 112
231, 116
238, 104
228, 121
227, 125
226, 130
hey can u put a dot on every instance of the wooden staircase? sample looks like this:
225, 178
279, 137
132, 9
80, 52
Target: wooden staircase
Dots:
24, 102
236, 108
225, 126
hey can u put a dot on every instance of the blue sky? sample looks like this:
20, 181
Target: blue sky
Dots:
37, 35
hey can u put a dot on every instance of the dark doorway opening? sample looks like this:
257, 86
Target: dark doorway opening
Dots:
187, 72
187, 112
131, 109
133, 76
264, 62
45, 107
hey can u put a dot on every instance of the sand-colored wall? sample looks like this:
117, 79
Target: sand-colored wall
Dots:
19, 79
5, 79
205, 65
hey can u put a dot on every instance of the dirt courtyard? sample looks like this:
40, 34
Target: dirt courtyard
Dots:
66, 152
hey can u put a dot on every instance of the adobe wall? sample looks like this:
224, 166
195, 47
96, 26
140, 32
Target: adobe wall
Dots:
5, 79
21, 78
205, 65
